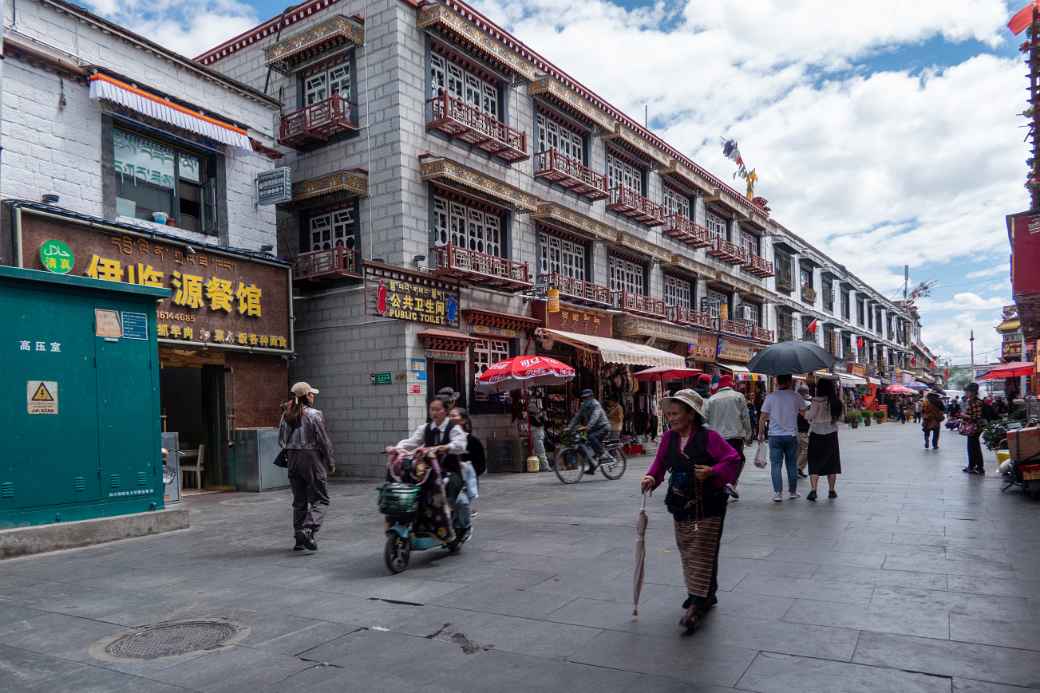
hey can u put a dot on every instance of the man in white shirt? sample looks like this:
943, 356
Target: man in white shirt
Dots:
780, 414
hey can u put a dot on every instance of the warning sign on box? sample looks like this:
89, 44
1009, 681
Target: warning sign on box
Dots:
41, 397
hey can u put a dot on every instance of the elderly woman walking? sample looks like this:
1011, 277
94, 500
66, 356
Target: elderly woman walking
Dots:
932, 415
701, 463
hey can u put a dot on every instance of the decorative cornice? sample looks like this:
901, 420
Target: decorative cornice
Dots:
443, 17
258, 33
688, 264
632, 326
620, 134
552, 89
449, 172
555, 214
334, 31
643, 247
353, 183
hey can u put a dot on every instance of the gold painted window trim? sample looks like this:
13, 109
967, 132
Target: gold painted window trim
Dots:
353, 183
338, 29
554, 214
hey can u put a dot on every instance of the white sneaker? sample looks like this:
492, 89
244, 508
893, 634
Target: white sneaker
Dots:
778, 497
793, 494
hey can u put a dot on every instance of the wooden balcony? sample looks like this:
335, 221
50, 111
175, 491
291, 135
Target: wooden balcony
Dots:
729, 253
809, 294
758, 266
684, 230
784, 284
761, 334
694, 318
631, 204
481, 269
327, 265
317, 123
737, 328
456, 118
642, 305
579, 291
569, 173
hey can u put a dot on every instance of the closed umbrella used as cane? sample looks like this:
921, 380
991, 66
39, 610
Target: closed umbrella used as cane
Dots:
637, 579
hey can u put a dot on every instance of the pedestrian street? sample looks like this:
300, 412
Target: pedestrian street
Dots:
917, 578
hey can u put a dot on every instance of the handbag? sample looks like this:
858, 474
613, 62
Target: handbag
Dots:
282, 460
760, 454
967, 428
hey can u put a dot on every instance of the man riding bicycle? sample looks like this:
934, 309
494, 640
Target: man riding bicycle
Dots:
591, 417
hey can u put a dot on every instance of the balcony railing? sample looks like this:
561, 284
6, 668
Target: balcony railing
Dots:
481, 269
330, 264
317, 122
629, 203
808, 294
579, 290
693, 318
642, 305
684, 230
727, 252
761, 334
758, 266
569, 173
456, 118
784, 283
738, 328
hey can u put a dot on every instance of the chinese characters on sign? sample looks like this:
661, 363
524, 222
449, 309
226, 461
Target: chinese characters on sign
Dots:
406, 298
39, 346
573, 319
217, 298
704, 348
735, 352
57, 257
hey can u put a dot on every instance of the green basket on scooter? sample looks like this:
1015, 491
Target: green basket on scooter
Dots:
398, 498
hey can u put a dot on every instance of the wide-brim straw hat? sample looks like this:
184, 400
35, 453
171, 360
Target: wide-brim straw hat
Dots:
690, 398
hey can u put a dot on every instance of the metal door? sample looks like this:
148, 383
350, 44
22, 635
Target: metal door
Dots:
46, 463
129, 442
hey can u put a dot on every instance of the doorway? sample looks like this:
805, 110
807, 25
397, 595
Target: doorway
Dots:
446, 374
192, 396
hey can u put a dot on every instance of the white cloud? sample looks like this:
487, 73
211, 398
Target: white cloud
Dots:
1000, 270
964, 301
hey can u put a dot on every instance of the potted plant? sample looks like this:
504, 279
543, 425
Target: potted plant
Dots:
852, 418
880, 416
868, 418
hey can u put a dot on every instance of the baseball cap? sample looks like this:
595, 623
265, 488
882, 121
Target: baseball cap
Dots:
302, 389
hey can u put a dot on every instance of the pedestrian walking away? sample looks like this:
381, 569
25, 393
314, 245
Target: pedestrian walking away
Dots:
803, 435
302, 434
824, 457
971, 427
536, 417
932, 415
700, 463
727, 415
780, 417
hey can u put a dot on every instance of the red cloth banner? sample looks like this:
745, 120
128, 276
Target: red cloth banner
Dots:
1023, 18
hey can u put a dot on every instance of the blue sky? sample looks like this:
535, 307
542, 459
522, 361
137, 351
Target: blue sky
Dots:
885, 132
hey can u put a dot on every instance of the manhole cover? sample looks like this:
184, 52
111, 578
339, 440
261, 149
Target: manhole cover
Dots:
172, 639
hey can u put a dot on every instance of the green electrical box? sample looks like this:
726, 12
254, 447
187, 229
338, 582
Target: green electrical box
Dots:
79, 398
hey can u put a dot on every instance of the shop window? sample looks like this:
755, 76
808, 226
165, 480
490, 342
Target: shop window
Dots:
463, 84
157, 176
622, 173
335, 229
487, 352
328, 81
560, 256
677, 292
627, 276
718, 227
676, 203
553, 135
466, 227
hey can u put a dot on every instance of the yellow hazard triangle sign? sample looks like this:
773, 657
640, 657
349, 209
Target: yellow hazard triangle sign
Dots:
42, 394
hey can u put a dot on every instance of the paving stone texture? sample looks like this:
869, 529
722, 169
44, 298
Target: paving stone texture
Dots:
917, 578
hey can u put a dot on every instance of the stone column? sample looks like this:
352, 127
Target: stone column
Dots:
700, 292
838, 351
852, 306
656, 280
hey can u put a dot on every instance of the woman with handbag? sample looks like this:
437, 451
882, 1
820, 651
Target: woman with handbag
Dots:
308, 454
971, 427
701, 463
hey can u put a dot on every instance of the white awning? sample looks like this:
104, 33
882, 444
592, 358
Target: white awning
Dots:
154, 106
874, 381
734, 368
619, 351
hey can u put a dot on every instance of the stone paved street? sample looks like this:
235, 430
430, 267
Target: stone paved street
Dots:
917, 579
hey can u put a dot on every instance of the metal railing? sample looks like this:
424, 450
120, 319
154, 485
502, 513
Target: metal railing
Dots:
570, 173
317, 121
683, 229
453, 259
579, 289
457, 118
324, 263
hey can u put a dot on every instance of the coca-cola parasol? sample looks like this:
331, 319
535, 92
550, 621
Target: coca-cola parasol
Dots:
521, 372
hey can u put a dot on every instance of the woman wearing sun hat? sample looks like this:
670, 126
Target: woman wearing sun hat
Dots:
701, 463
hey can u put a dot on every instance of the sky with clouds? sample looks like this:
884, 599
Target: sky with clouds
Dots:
886, 133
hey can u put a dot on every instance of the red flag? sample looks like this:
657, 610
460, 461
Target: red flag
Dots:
1023, 18
859, 343
812, 327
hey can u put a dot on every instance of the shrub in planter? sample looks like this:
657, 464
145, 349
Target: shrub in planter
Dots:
867, 418
852, 417
879, 416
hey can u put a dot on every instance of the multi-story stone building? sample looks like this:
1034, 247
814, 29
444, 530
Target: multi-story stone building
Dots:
128, 162
450, 184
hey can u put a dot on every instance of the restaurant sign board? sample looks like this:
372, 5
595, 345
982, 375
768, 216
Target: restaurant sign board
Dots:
579, 320
704, 347
730, 350
218, 298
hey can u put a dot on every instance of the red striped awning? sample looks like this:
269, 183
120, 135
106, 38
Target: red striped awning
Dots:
1015, 369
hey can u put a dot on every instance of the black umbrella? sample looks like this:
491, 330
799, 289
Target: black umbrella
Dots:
788, 358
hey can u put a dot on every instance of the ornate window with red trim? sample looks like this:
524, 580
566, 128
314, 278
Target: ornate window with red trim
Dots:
329, 80
487, 352
554, 135
560, 256
469, 85
676, 203
627, 276
677, 292
332, 229
718, 227
465, 226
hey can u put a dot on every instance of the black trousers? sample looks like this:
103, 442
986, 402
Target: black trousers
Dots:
935, 437
975, 454
308, 478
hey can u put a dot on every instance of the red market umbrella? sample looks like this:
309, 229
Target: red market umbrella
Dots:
522, 372
899, 390
667, 373
1010, 370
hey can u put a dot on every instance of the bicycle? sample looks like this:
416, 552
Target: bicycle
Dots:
574, 455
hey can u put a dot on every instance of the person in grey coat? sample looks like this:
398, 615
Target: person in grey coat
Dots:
302, 434
594, 419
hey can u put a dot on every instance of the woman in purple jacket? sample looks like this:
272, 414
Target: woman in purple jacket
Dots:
701, 463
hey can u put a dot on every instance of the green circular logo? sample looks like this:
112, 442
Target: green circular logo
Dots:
57, 257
